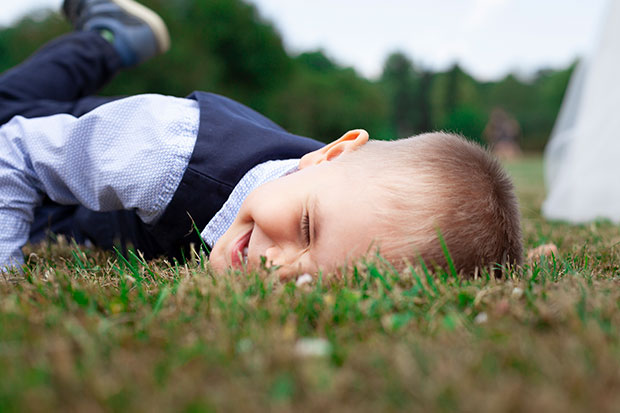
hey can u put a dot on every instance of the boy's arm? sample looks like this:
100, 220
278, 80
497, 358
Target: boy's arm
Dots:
128, 154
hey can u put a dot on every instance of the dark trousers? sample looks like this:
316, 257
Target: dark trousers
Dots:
62, 77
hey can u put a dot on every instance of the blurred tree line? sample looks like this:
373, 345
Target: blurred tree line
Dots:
226, 47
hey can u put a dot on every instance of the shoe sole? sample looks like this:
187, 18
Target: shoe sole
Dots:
151, 19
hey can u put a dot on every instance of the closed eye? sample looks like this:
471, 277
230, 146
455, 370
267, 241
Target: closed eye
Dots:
305, 228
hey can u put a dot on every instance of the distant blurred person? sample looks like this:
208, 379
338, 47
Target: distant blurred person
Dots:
502, 133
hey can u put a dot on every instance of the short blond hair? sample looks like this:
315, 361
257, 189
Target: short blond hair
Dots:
440, 183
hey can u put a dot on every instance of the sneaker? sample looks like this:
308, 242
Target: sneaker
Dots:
136, 32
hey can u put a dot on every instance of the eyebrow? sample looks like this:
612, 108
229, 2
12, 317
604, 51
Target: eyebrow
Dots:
315, 219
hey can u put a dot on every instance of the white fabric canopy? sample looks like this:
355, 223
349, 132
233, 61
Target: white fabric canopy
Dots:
582, 159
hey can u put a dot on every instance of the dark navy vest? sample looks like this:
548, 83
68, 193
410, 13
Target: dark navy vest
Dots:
232, 139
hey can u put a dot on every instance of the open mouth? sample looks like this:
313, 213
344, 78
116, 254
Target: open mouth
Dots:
239, 253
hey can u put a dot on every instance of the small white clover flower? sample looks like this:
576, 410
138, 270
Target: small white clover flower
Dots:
481, 318
303, 279
312, 347
517, 292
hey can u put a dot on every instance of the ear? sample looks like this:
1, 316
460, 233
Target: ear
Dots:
348, 142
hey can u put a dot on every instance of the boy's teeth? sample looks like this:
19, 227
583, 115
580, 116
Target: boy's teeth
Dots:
245, 255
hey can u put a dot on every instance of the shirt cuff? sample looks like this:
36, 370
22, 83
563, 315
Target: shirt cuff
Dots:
13, 235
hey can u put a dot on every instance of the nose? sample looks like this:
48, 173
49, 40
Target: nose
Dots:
275, 256
286, 261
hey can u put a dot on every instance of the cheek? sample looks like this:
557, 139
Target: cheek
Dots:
342, 249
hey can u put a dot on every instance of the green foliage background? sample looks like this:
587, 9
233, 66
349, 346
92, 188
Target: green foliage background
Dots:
226, 47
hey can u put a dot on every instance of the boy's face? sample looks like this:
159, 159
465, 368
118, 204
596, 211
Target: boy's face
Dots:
315, 219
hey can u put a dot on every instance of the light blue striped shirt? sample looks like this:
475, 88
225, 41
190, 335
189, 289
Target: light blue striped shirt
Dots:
127, 154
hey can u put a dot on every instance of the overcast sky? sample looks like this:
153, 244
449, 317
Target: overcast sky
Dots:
488, 37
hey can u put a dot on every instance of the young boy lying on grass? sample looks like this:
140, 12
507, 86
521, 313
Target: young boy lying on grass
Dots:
165, 166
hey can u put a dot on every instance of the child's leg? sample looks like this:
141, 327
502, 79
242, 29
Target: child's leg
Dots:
59, 78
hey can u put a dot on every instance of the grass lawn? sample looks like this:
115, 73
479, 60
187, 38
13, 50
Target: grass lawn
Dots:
88, 331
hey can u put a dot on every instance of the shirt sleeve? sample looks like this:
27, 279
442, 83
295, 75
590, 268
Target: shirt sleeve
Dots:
127, 154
